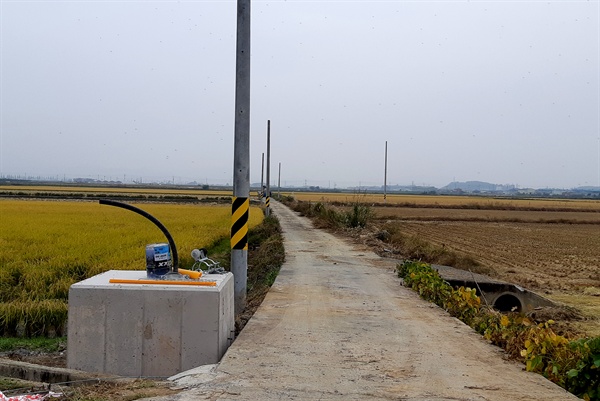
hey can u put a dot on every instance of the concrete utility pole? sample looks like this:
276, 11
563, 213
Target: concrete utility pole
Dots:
268, 199
262, 178
279, 183
385, 176
241, 158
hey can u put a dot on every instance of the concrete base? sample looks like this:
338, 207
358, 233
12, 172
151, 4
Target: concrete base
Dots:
148, 330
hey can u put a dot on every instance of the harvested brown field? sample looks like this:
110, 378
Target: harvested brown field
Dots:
539, 256
487, 215
555, 253
450, 201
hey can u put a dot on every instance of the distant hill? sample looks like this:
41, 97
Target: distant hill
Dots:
588, 188
475, 186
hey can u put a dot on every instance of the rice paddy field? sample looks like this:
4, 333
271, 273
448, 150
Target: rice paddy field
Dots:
550, 246
93, 190
47, 245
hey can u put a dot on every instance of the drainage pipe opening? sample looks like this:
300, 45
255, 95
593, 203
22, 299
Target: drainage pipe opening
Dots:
508, 303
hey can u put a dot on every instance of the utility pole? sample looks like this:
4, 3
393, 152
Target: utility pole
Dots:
385, 176
279, 183
268, 198
262, 178
241, 159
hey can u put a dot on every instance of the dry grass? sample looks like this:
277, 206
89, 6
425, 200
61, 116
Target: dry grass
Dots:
122, 390
588, 303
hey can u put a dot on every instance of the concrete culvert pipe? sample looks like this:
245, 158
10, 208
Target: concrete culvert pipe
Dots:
508, 303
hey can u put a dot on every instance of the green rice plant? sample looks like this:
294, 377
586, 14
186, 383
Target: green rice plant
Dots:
26, 319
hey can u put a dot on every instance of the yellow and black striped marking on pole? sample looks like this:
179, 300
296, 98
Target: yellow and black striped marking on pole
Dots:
239, 223
267, 201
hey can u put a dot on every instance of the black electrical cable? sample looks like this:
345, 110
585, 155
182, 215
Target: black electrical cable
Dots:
152, 219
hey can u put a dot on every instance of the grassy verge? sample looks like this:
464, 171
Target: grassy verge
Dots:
356, 215
266, 254
41, 344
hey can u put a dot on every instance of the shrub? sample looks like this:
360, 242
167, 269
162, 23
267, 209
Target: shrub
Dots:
328, 216
358, 216
421, 277
583, 379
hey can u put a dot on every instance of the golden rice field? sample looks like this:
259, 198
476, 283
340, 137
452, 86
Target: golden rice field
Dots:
106, 190
45, 246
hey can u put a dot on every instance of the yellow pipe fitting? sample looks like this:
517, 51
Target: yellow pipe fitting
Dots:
164, 282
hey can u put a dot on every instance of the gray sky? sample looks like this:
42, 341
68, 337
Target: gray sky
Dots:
500, 91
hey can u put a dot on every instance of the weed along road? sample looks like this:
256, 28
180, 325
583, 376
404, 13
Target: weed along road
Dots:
338, 325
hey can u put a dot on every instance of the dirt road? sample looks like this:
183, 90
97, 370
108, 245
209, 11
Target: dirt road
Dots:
338, 325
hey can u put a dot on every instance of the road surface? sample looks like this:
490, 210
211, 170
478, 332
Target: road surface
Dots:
338, 325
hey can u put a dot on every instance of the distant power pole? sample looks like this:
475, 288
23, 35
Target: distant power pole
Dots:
268, 198
385, 176
241, 159
279, 183
262, 178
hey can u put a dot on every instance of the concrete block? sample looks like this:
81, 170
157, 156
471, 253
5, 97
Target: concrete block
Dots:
148, 330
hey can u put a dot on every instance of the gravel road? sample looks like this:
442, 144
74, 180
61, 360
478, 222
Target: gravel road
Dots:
338, 325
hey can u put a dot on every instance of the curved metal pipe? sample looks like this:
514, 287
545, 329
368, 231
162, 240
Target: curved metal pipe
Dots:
153, 219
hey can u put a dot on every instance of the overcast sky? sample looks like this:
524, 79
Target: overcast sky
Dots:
501, 91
